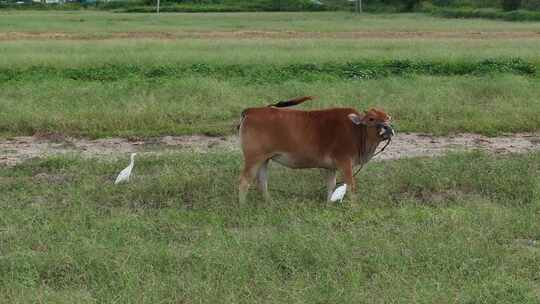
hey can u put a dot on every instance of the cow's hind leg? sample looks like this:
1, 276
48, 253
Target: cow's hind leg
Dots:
251, 167
262, 180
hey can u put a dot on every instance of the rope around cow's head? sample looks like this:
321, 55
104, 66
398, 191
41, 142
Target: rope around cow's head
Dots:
388, 141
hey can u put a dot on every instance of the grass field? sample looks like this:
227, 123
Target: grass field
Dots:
151, 52
83, 85
458, 229
138, 107
106, 22
462, 228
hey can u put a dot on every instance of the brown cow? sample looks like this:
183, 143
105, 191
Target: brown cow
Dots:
332, 139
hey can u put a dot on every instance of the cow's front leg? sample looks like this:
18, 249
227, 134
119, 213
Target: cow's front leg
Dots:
346, 168
330, 182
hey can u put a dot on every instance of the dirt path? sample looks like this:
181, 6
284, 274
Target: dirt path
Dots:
7, 36
18, 149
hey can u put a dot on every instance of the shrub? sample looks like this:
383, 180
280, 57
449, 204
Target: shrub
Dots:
533, 5
511, 5
410, 5
488, 13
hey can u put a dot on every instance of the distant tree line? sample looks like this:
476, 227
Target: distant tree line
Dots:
293, 5
373, 5
397, 5
507, 5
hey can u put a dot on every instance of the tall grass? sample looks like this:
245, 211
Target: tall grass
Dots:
163, 106
264, 73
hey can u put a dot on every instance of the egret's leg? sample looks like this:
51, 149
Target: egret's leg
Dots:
330, 182
262, 179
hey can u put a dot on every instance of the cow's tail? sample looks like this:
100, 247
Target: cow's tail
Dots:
242, 117
292, 102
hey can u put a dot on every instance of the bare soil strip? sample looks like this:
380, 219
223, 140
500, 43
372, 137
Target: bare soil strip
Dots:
18, 149
7, 36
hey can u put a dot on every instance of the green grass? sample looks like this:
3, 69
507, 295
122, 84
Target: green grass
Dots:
142, 107
457, 229
149, 53
107, 22
265, 73
105, 86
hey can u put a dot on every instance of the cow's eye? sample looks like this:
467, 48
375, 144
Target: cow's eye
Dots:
371, 119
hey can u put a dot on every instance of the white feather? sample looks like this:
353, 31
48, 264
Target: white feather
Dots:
339, 193
124, 174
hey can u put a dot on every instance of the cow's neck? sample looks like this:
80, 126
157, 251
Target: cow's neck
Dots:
367, 142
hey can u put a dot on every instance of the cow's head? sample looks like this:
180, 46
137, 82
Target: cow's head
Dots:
374, 119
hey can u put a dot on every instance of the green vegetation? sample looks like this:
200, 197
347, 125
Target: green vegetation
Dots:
259, 73
274, 5
488, 13
511, 5
149, 87
189, 6
164, 106
503, 4
96, 23
145, 54
458, 229
237, 6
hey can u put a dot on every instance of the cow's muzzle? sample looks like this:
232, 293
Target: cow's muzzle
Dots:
386, 131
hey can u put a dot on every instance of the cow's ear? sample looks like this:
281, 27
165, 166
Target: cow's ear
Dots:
356, 119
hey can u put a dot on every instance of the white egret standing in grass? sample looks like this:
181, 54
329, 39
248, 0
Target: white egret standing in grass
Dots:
124, 174
339, 193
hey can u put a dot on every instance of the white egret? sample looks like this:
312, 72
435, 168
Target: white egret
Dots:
124, 174
339, 193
